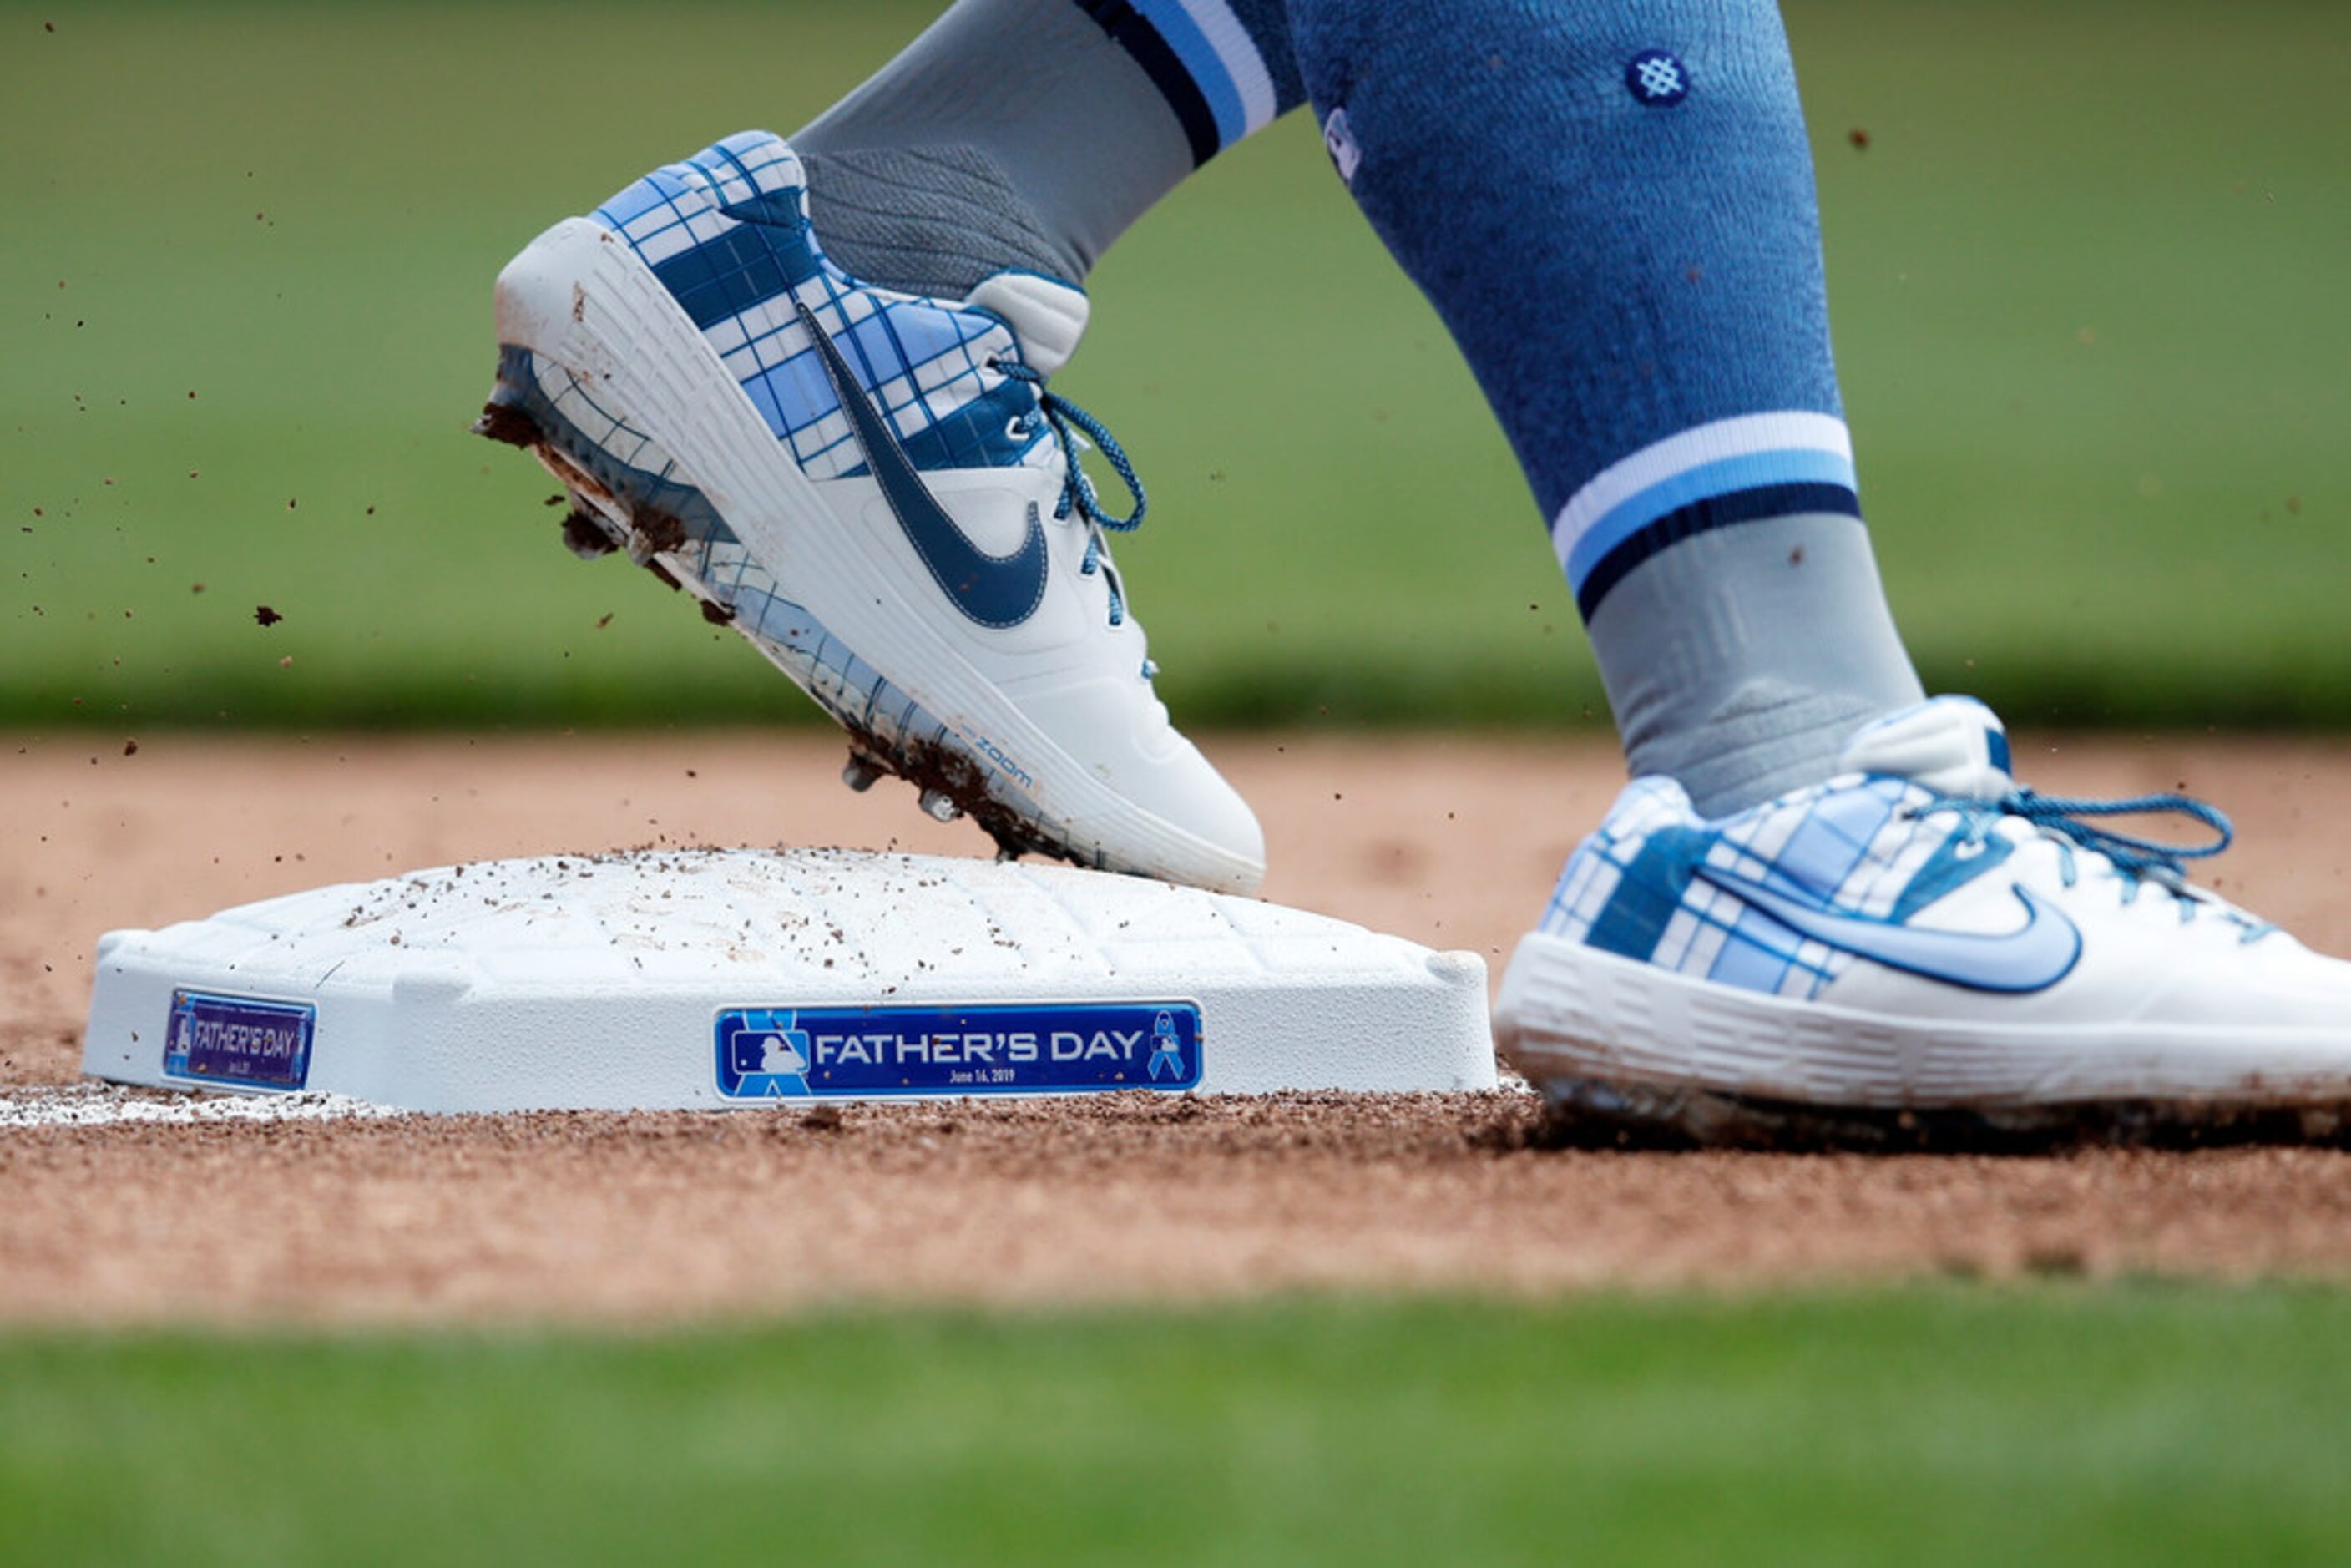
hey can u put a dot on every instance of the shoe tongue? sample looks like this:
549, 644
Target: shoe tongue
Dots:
1953, 746
1045, 314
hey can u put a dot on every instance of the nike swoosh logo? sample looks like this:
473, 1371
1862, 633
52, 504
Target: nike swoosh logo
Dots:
2033, 957
997, 590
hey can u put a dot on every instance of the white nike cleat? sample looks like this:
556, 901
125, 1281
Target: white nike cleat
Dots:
1916, 953
877, 490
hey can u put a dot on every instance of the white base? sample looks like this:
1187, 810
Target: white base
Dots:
607, 983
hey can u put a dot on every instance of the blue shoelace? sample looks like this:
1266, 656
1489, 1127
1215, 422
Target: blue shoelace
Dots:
2071, 824
1070, 423
1074, 429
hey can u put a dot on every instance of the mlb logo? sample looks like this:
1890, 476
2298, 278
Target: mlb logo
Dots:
762, 1056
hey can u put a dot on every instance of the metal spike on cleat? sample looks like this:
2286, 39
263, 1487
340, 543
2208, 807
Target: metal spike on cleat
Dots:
860, 772
940, 807
506, 423
585, 534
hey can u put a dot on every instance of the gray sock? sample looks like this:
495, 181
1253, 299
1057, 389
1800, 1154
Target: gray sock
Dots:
1012, 134
1741, 660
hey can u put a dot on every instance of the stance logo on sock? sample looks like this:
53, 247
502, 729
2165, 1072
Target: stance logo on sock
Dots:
1656, 78
1339, 140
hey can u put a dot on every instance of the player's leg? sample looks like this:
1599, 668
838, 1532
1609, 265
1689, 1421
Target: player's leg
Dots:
1030, 134
807, 385
1612, 207
1861, 927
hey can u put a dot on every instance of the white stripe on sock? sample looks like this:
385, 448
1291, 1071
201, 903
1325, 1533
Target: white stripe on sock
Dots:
1234, 47
1740, 437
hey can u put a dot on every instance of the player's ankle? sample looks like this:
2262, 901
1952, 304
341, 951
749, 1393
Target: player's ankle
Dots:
1739, 661
933, 219
1026, 135
1768, 738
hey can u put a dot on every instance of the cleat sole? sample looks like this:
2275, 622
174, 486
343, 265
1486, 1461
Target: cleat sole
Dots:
1588, 1112
1629, 1055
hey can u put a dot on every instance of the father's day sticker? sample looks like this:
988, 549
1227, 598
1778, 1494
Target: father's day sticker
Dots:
791, 1053
242, 1041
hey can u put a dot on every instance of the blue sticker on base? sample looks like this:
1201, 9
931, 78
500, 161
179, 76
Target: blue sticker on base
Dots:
239, 1040
799, 1054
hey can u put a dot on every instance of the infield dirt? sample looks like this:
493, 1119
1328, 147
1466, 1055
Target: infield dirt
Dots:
1451, 841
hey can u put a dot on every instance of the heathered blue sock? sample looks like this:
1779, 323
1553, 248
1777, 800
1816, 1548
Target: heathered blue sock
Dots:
1611, 205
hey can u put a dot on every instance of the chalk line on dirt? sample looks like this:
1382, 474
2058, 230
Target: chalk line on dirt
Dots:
104, 1106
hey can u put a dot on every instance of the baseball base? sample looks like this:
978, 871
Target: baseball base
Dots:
709, 979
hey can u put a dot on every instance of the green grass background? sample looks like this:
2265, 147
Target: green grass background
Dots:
2087, 282
2088, 286
2050, 1423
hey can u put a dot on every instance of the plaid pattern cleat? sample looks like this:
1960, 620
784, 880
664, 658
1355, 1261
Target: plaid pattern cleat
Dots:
878, 490
1918, 952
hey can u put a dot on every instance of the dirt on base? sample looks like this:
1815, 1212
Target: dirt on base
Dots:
1447, 840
